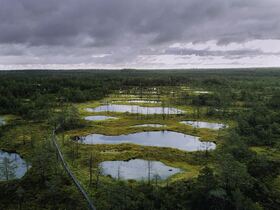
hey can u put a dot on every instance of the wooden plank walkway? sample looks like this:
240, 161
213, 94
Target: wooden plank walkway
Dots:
71, 175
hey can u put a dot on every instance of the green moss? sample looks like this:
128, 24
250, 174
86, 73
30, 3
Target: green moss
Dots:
187, 161
20, 137
271, 153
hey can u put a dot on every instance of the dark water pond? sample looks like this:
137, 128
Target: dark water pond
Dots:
155, 138
135, 109
98, 118
199, 124
12, 166
137, 169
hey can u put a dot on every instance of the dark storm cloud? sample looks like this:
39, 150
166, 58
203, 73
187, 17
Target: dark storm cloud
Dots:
105, 22
124, 29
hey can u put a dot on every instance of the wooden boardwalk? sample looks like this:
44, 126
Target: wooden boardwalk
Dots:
71, 175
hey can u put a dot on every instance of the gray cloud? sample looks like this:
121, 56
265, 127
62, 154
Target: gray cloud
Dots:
40, 22
80, 28
228, 53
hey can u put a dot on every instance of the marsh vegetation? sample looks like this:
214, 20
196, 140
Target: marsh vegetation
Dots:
206, 139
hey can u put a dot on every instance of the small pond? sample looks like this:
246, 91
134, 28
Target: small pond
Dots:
2, 121
199, 124
99, 118
155, 138
12, 166
201, 92
137, 169
149, 125
135, 109
144, 101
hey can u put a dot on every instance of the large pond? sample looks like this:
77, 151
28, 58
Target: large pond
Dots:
2, 121
135, 109
12, 166
199, 124
155, 138
138, 169
99, 118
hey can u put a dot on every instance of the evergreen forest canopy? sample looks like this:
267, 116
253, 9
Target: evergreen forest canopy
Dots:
243, 172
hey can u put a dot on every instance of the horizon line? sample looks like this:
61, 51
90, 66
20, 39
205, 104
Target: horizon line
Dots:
138, 69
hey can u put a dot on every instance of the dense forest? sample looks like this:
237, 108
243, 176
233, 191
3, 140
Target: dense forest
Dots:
243, 172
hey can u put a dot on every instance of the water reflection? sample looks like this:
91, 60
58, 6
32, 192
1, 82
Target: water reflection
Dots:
155, 138
199, 124
12, 166
135, 109
98, 118
138, 169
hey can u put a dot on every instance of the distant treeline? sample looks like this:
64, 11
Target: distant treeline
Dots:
28, 92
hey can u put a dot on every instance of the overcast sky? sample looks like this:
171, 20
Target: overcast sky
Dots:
139, 33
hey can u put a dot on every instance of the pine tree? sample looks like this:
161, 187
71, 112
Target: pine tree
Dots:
7, 169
